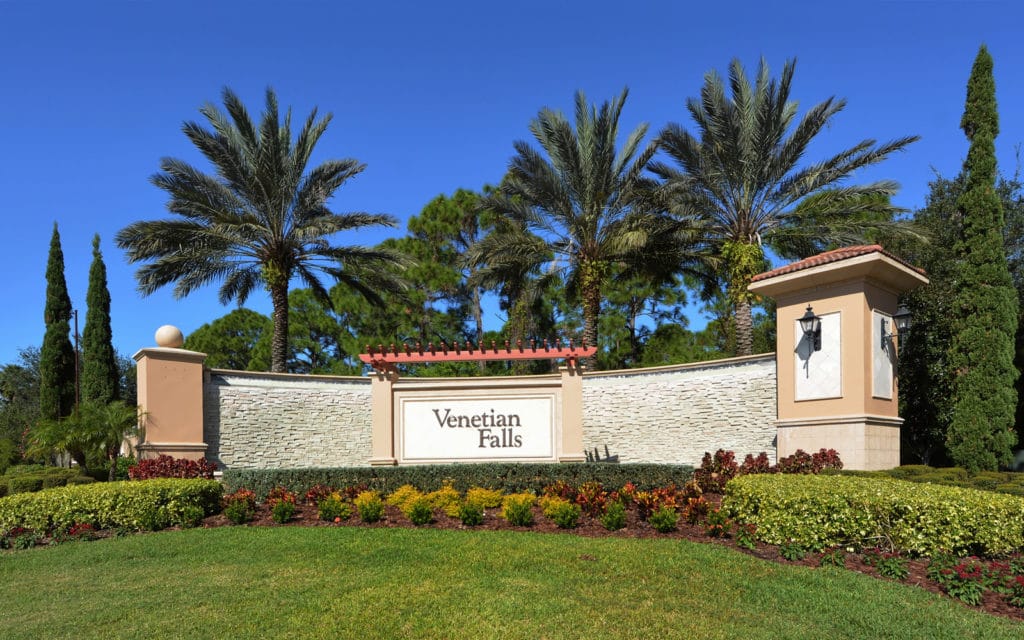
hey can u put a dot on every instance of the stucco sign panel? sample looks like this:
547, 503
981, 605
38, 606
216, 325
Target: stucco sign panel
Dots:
819, 373
497, 427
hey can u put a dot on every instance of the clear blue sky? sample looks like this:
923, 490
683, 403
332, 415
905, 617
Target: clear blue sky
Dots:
430, 96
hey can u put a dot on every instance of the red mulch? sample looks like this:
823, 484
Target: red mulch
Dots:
306, 516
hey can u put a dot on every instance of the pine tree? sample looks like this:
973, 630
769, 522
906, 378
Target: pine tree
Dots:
57, 357
985, 309
99, 365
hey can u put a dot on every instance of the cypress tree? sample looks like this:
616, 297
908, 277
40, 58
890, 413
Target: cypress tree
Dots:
57, 357
981, 355
99, 365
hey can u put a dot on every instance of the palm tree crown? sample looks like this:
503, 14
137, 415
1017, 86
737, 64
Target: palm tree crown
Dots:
578, 211
262, 219
737, 179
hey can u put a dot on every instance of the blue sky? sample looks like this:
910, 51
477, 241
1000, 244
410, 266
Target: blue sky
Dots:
430, 96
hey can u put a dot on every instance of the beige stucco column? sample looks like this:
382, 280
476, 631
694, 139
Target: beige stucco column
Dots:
382, 388
170, 394
571, 449
843, 396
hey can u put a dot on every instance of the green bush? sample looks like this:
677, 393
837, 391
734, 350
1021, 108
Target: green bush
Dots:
507, 477
664, 519
370, 506
334, 508
818, 512
34, 477
614, 517
564, 514
24, 484
152, 504
419, 511
471, 513
282, 511
517, 509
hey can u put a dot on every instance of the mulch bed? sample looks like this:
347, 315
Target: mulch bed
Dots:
635, 528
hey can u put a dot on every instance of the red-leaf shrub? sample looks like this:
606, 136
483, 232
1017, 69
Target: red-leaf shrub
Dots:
760, 464
716, 470
168, 467
592, 498
280, 494
317, 494
799, 462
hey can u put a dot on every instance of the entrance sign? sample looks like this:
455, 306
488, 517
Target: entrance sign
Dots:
454, 428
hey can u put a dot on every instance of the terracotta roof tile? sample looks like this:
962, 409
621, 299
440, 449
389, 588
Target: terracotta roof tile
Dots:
835, 255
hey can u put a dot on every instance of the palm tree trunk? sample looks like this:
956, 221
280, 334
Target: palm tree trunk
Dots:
591, 315
279, 344
478, 317
744, 328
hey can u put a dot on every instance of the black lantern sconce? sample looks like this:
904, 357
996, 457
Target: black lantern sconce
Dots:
811, 326
902, 321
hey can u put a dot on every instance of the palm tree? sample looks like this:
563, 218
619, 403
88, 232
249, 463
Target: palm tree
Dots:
738, 181
577, 212
262, 219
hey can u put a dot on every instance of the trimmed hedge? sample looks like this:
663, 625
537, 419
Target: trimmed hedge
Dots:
819, 512
34, 477
147, 505
508, 477
998, 481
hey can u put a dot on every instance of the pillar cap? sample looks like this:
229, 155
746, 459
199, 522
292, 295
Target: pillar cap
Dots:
863, 261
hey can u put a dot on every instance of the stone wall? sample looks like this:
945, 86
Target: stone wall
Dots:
266, 421
674, 414
665, 414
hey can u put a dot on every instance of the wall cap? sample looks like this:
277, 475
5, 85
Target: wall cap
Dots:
687, 366
167, 353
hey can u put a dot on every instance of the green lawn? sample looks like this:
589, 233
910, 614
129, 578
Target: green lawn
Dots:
300, 582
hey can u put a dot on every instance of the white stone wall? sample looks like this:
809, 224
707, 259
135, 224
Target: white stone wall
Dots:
666, 414
675, 414
267, 421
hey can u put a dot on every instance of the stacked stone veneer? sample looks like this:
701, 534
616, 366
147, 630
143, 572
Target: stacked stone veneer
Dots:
666, 414
674, 414
266, 421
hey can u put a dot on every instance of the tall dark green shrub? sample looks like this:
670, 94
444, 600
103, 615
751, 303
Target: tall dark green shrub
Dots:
57, 357
981, 355
100, 376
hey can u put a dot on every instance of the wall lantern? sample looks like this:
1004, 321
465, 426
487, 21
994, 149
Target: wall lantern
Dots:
902, 321
811, 326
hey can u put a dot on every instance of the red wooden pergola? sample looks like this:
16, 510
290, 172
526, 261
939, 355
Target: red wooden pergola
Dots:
385, 359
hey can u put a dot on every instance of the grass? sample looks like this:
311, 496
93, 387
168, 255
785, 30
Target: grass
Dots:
299, 582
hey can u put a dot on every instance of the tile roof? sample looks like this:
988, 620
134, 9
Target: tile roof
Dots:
835, 255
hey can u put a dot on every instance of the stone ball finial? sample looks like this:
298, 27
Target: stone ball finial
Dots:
170, 337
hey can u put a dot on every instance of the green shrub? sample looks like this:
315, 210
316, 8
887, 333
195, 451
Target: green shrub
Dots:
664, 519
419, 511
506, 477
614, 517
282, 511
564, 514
818, 512
517, 508
370, 506
471, 513
34, 477
334, 509
24, 484
151, 504
240, 506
